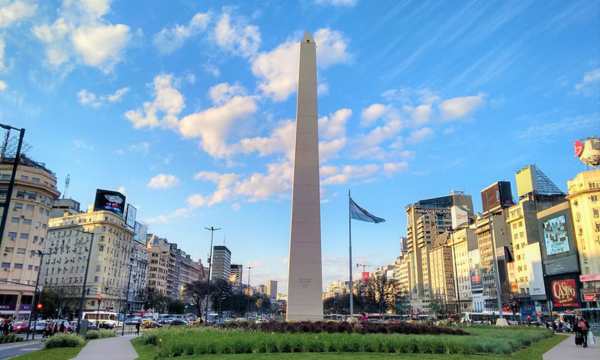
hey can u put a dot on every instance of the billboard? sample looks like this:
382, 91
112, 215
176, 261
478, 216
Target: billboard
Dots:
130, 216
108, 200
496, 195
475, 276
139, 232
564, 293
556, 237
459, 216
365, 276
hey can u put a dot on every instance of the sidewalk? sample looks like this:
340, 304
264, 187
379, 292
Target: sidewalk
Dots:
568, 350
115, 348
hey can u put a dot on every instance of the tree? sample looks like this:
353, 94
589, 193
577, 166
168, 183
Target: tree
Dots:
220, 294
381, 292
175, 306
156, 301
197, 291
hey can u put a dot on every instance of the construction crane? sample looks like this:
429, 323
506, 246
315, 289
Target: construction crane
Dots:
67, 182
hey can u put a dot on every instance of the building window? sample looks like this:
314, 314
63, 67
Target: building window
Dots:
30, 267
27, 221
24, 236
21, 251
18, 266
5, 265
9, 249
28, 207
15, 220
18, 206
12, 235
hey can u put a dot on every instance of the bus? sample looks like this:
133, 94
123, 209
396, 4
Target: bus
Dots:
103, 319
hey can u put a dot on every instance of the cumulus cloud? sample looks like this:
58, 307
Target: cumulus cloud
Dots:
170, 39
333, 175
88, 98
277, 70
590, 80
334, 125
394, 167
13, 12
81, 32
168, 102
236, 37
460, 107
223, 92
281, 140
179, 213
163, 181
3, 86
419, 135
373, 113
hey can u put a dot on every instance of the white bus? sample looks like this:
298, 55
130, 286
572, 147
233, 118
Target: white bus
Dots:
106, 319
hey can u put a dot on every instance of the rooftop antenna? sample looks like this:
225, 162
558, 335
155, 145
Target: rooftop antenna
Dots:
67, 182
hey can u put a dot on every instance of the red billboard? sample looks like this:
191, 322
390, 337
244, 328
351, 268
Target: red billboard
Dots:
365, 276
564, 293
496, 195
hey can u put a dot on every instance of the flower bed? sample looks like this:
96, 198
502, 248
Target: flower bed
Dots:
190, 341
345, 327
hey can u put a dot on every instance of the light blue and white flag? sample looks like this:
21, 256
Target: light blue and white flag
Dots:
358, 213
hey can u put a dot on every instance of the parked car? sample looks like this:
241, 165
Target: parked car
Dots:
20, 327
40, 326
178, 322
133, 320
150, 324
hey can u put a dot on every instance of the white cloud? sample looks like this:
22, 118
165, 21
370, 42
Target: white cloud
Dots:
335, 176
334, 125
167, 102
329, 149
223, 192
394, 167
460, 107
223, 92
88, 98
372, 113
281, 140
421, 114
81, 32
419, 135
163, 181
3, 86
16, 11
212, 125
169, 217
170, 39
345, 3
212, 70
237, 37
590, 79
277, 70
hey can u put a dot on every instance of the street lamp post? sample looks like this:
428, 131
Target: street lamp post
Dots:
212, 230
87, 267
127, 296
249, 295
35, 291
13, 176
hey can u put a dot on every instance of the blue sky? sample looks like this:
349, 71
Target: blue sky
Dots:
188, 107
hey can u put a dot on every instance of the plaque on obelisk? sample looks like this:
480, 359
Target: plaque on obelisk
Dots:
305, 275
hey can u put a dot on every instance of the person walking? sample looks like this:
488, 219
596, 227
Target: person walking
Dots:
137, 327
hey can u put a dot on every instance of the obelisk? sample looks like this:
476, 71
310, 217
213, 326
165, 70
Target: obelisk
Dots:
305, 275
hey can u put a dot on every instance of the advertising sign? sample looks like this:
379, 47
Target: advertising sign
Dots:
475, 275
139, 232
108, 200
564, 293
130, 216
556, 237
498, 194
365, 276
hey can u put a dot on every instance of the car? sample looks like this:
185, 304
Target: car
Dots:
20, 327
40, 326
150, 324
178, 322
133, 320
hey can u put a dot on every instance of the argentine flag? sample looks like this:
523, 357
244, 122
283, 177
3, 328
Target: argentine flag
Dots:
358, 213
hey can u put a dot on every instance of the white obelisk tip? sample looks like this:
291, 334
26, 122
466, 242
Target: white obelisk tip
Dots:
307, 37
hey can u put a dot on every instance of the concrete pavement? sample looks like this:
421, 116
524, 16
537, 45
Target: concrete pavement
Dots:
8, 351
568, 350
115, 348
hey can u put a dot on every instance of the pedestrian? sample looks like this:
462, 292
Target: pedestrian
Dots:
62, 327
137, 328
583, 326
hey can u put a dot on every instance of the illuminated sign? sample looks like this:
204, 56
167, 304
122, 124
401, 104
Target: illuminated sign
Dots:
556, 237
130, 216
112, 201
564, 293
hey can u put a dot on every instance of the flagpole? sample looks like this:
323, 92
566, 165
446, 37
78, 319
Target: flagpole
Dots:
350, 256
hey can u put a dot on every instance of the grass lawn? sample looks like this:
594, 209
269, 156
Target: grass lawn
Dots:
533, 352
51, 354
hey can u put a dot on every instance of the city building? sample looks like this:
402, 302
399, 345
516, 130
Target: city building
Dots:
64, 206
442, 271
477, 299
425, 220
189, 271
584, 198
236, 272
25, 233
159, 257
221, 266
401, 274
68, 250
138, 281
536, 193
463, 241
272, 289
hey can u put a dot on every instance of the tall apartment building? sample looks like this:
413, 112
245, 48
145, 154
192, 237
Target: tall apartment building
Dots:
425, 220
272, 289
442, 271
536, 192
402, 274
584, 197
68, 248
221, 266
236, 272
62, 206
189, 272
463, 241
139, 274
159, 258
25, 232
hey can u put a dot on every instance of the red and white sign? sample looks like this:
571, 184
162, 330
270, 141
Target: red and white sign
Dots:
578, 148
589, 277
564, 293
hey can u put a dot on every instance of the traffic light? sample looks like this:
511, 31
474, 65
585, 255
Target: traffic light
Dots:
39, 306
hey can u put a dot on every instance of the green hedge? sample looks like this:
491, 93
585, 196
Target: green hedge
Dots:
64, 340
179, 342
100, 334
10, 338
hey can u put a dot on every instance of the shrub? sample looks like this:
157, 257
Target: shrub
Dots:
64, 340
10, 339
99, 334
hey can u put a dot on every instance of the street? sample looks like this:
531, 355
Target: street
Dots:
8, 351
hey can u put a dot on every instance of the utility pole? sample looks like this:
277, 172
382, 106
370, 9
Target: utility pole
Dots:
87, 267
13, 176
212, 230
127, 296
456, 284
248, 310
35, 295
496, 268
